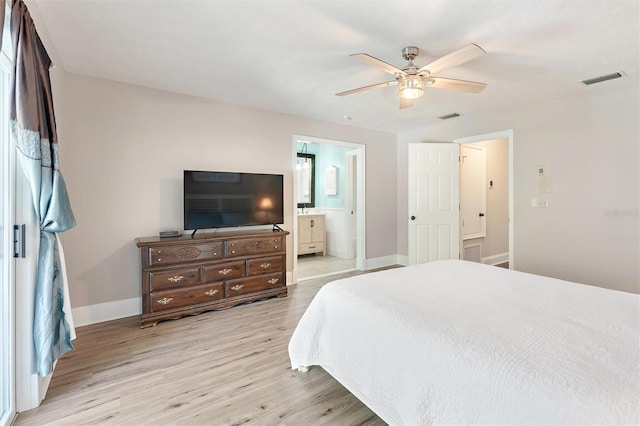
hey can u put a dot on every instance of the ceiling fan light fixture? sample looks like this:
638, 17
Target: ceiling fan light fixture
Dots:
411, 87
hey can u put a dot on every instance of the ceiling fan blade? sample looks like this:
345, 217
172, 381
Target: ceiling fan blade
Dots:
405, 103
453, 59
378, 63
459, 85
365, 88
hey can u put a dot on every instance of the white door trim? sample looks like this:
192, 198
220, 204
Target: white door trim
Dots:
508, 134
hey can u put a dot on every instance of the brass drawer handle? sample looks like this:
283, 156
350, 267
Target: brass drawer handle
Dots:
237, 287
159, 259
165, 300
225, 271
176, 278
159, 251
275, 247
272, 281
211, 292
233, 251
265, 265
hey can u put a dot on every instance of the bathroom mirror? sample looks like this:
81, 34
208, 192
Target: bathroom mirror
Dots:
305, 168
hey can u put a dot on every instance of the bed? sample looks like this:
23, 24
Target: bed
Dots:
455, 342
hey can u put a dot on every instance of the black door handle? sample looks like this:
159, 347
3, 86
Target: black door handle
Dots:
481, 214
413, 218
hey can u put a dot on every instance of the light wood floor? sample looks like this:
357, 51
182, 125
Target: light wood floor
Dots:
227, 367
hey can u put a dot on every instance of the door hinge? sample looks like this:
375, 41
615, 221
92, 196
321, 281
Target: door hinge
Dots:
19, 233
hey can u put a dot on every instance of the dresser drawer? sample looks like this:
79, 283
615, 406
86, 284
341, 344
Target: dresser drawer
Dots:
250, 285
265, 265
244, 247
224, 271
177, 254
164, 300
174, 278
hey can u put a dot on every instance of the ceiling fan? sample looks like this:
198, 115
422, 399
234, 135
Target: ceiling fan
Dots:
412, 80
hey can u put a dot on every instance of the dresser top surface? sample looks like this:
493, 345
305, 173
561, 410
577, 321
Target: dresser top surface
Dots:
205, 237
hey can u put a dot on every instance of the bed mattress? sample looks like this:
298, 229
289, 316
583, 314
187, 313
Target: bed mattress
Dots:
455, 342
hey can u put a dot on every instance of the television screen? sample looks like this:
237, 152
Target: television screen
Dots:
225, 199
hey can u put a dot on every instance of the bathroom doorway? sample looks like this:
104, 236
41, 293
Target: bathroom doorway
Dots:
328, 235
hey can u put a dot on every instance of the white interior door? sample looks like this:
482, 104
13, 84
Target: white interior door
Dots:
351, 205
7, 277
433, 202
473, 196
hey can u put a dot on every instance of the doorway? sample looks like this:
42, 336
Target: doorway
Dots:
489, 238
484, 198
328, 235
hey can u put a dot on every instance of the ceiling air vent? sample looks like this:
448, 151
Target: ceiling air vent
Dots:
602, 78
448, 116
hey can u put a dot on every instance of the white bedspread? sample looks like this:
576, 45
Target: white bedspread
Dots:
454, 342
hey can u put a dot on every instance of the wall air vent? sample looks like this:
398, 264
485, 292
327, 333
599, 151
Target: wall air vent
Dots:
602, 78
448, 116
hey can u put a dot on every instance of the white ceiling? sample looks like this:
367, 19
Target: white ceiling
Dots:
293, 56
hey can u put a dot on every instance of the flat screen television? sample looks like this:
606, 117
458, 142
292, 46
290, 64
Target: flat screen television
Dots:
225, 199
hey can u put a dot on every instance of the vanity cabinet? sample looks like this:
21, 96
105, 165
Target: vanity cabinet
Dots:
311, 234
188, 275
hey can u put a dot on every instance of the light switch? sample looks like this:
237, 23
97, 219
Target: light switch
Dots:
539, 203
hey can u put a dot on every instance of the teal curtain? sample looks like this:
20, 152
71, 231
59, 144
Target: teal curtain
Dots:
33, 129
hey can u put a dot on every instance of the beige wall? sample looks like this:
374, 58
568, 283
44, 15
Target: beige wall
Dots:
123, 150
590, 232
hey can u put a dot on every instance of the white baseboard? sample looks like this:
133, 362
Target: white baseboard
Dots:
101, 312
381, 262
403, 260
496, 259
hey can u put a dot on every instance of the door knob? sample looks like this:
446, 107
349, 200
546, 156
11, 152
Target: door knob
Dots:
413, 218
481, 214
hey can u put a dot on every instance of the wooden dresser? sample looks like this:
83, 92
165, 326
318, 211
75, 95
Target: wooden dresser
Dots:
311, 234
189, 275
